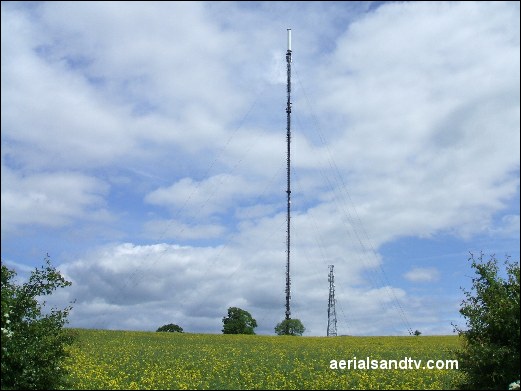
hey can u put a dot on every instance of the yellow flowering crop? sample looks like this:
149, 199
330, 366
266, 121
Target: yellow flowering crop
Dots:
101, 359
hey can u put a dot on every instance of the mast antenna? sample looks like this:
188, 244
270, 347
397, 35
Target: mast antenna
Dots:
331, 309
288, 191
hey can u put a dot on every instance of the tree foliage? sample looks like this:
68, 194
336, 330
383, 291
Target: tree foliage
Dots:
290, 327
171, 328
238, 321
33, 342
490, 354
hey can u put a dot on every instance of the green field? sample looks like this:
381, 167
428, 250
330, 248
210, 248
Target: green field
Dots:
102, 359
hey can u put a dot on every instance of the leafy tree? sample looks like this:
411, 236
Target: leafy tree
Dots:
490, 354
290, 327
417, 333
33, 343
172, 328
238, 321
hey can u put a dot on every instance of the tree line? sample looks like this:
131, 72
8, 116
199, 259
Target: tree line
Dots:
239, 321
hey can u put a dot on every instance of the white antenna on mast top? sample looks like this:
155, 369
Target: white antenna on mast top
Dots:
289, 39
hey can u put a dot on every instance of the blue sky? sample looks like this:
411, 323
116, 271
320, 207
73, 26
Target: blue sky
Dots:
143, 148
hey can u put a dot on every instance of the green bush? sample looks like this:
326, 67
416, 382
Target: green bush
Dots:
33, 343
490, 354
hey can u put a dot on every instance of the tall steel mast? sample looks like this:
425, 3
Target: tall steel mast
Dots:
288, 191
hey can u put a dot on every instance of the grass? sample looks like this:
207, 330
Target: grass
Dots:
101, 359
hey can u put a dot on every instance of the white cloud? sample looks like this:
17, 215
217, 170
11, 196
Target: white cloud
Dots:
213, 195
422, 274
172, 229
428, 97
51, 199
53, 115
